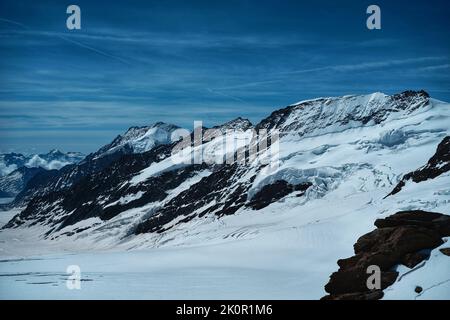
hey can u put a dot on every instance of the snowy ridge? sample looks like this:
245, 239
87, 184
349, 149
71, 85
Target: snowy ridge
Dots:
139, 139
327, 115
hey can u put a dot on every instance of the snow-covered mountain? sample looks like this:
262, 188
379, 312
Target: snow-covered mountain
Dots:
295, 206
13, 183
139, 139
18, 169
54, 159
134, 140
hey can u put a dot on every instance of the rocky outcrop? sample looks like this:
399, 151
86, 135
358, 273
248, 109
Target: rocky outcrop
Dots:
275, 191
402, 238
438, 164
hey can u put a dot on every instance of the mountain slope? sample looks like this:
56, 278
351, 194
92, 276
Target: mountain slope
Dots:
14, 182
228, 188
134, 140
295, 207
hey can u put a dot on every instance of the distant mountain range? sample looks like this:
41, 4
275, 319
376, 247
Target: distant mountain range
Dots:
17, 169
54, 159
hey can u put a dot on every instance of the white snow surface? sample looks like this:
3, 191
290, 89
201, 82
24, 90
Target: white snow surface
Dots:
286, 250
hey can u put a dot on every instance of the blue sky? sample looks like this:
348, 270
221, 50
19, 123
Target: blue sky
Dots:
138, 62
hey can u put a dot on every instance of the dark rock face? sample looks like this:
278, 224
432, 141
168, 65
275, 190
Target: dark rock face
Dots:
398, 239
445, 251
274, 192
438, 164
222, 188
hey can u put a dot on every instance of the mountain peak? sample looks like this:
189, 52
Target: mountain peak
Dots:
238, 123
325, 115
139, 139
55, 152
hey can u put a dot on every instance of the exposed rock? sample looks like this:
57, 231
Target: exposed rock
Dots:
432, 220
438, 164
418, 289
445, 251
195, 201
413, 259
273, 192
398, 239
370, 295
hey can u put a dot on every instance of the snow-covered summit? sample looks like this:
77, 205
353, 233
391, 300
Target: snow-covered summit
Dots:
335, 114
140, 139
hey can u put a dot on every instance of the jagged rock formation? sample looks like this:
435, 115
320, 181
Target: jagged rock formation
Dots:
402, 238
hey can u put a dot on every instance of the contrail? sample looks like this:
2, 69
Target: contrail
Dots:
14, 22
226, 95
82, 45
79, 44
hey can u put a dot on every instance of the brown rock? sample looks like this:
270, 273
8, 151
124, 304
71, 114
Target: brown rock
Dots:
399, 239
445, 251
369, 295
413, 259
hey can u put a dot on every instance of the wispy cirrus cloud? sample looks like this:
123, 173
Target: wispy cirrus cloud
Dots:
369, 65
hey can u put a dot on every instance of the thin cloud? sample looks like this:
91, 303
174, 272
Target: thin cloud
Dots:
434, 68
338, 68
225, 95
366, 65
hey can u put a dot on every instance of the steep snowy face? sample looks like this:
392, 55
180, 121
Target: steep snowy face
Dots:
324, 115
139, 139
